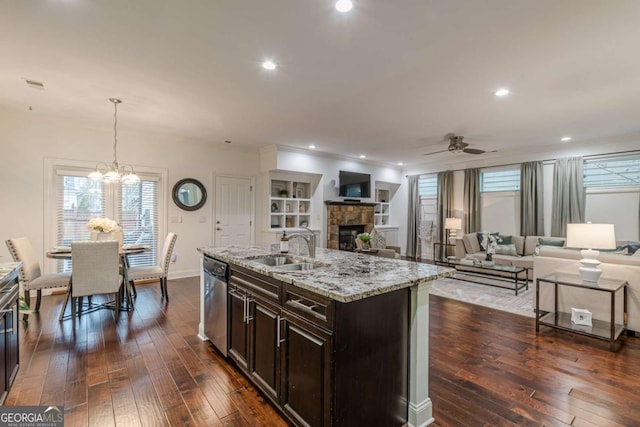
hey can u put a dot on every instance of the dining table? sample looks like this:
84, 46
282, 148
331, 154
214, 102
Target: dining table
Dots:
64, 252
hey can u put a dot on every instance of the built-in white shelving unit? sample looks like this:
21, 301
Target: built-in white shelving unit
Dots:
289, 204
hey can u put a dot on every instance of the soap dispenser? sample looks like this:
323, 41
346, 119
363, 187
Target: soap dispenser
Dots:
284, 243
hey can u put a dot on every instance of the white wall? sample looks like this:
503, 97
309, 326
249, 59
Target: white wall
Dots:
27, 138
329, 166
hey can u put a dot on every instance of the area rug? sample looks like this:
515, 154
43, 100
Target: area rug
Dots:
487, 296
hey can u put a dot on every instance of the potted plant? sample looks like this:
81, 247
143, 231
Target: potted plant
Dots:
284, 193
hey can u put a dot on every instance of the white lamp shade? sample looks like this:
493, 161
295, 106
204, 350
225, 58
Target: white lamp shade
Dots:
591, 236
453, 223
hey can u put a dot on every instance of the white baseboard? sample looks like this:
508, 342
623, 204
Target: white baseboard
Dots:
420, 415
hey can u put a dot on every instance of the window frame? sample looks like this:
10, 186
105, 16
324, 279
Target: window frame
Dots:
111, 197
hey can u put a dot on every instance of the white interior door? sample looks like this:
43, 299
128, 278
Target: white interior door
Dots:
233, 211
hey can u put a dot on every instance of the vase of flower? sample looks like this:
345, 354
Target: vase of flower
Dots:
105, 229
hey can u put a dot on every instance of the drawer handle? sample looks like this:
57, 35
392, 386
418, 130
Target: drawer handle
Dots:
304, 307
278, 334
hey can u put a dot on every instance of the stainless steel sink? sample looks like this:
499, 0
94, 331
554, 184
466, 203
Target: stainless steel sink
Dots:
285, 262
298, 266
273, 260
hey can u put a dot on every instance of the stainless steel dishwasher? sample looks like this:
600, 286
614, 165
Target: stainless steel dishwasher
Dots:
215, 302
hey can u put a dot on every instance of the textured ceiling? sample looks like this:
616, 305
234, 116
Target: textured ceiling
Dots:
388, 79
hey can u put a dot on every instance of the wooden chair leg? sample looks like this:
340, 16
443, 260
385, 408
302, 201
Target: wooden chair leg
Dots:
161, 289
73, 308
38, 299
27, 298
133, 288
164, 286
118, 304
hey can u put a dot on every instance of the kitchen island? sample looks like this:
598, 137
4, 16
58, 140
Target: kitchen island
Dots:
339, 339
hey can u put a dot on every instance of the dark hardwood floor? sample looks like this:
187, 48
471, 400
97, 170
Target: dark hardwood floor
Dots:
486, 368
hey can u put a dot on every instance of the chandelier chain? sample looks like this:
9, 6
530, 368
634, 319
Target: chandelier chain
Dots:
115, 133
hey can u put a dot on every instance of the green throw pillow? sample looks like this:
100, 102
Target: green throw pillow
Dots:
549, 242
505, 240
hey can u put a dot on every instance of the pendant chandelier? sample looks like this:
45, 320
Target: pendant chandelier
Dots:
114, 172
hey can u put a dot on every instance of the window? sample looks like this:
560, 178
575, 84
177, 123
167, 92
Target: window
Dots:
428, 191
500, 199
428, 185
77, 199
612, 173
613, 194
500, 180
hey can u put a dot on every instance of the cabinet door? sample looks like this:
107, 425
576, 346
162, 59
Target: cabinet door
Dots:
237, 327
264, 323
4, 387
12, 348
306, 366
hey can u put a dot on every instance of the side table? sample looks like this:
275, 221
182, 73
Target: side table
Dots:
603, 330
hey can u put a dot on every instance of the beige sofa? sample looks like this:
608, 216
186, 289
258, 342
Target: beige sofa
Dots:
468, 246
614, 266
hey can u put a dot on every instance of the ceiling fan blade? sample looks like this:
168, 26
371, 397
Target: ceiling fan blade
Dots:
473, 151
436, 152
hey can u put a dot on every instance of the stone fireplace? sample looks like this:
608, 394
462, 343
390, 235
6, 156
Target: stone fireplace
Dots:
352, 216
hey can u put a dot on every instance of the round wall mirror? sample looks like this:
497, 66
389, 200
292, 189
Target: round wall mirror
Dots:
189, 194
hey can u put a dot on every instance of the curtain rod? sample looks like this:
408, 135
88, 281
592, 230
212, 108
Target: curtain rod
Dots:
546, 161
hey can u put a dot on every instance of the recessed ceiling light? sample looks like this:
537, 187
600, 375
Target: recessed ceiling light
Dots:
227, 141
269, 65
362, 156
400, 163
344, 6
312, 147
565, 138
501, 92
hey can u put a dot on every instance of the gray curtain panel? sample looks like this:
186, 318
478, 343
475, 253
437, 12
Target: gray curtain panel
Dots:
445, 202
413, 218
471, 215
531, 199
568, 195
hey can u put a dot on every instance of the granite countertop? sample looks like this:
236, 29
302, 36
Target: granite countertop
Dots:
6, 268
343, 276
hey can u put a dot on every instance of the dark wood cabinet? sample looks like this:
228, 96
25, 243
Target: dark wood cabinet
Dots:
238, 332
264, 327
322, 362
9, 346
306, 372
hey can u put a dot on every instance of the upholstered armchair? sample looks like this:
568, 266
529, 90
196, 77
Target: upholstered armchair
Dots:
379, 243
96, 271
156, 272
30, 273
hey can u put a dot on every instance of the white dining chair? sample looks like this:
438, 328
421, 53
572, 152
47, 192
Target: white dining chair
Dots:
30, 273
96, 271
155, 272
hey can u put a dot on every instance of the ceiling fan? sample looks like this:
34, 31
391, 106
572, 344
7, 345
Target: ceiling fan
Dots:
457, 145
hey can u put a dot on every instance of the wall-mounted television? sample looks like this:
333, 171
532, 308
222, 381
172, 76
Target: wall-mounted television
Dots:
354, 184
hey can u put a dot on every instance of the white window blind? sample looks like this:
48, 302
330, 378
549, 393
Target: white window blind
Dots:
139, 218
500, 180
621, 172
428, 185
134, 206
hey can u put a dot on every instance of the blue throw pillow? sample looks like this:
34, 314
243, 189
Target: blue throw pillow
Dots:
505, 240
628, 248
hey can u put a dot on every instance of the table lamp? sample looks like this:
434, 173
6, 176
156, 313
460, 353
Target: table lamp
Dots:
590, 237
452, 224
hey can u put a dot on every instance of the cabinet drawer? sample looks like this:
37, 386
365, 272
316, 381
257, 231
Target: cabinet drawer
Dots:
315, 308
263, 286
